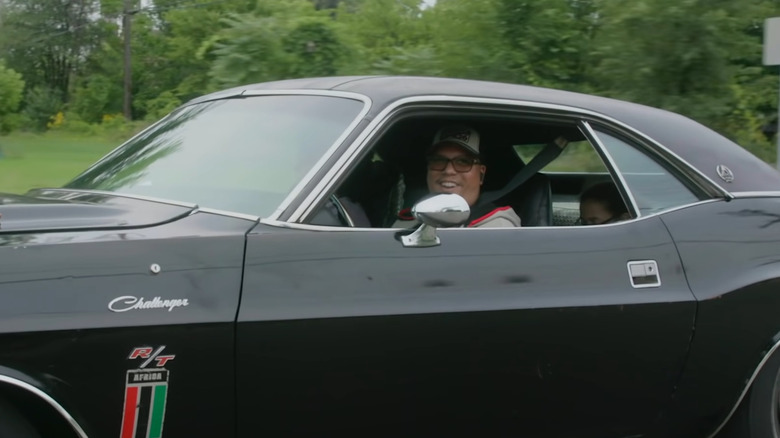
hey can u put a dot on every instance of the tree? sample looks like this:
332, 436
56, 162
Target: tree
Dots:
549, 42
696, 57
11, 90
277, 40
47, 41
379, 32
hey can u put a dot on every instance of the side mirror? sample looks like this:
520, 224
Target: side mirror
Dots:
441, 210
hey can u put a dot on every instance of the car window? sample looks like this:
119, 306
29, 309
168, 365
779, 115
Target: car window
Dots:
243, 155
579, 156
392, 175
576, 169
653, 187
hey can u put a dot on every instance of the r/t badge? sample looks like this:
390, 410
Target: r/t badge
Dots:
146, 391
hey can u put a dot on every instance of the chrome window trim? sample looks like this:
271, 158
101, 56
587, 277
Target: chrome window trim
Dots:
48, 399
756, 194
295, 192
195, 208
227, 213
310, 227
381, 119
335, 228
594, 136
749, 383
304, 92
126, 195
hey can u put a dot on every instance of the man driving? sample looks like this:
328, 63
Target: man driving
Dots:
454, 166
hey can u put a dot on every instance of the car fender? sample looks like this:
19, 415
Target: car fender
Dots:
772, 348
11, 378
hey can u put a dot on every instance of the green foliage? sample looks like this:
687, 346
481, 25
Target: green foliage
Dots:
249, 50
161, 105
41, 104
278, 40
115, 127
465, 40
168, 56
12, 122
47, 41
420, 60
96, 96
685, 58
315, 47
72, 124
47, 160
11, 89
701, 58
376, 29
549, 42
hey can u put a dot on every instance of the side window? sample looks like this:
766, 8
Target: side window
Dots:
579, 186
653, 187
576, 170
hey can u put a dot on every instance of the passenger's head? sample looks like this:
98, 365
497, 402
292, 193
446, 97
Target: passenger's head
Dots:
454, 164
602, 204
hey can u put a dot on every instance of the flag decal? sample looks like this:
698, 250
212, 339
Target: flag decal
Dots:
146, 392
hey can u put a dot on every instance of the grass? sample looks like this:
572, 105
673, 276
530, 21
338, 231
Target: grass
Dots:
46, 160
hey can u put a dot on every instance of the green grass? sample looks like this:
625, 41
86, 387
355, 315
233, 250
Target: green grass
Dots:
46, 160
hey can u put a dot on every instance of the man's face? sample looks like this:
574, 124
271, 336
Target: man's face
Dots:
450, 180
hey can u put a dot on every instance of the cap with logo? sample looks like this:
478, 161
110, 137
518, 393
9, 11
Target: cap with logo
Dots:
463, 136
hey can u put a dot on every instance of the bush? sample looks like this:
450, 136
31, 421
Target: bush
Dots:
12, 122
96, 96
161, 105
11, 87
116, 127
41, 104
70, 123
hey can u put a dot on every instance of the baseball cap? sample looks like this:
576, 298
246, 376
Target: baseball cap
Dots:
463, 136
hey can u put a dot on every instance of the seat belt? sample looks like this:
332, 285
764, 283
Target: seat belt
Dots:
549, 153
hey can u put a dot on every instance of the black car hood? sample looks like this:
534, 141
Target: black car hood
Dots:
61, 209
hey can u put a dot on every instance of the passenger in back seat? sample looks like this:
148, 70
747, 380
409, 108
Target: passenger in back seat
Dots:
602, 204
454, 166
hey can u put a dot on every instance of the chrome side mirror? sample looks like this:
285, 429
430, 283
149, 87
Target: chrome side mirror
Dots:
441, 210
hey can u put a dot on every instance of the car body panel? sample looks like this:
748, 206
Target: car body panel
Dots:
61, 210
734, 276
461, 336
57, 288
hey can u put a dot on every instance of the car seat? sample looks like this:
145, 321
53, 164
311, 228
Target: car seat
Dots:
532, 201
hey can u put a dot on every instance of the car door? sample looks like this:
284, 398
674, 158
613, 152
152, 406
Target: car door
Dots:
536, 331
517, 332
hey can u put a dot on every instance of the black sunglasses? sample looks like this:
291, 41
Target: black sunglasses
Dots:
460, 164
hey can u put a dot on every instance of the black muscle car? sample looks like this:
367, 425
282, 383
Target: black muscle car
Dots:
235, 271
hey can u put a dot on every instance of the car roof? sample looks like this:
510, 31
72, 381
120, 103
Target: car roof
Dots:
697, 144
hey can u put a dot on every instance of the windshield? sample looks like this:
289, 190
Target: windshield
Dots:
241, 154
